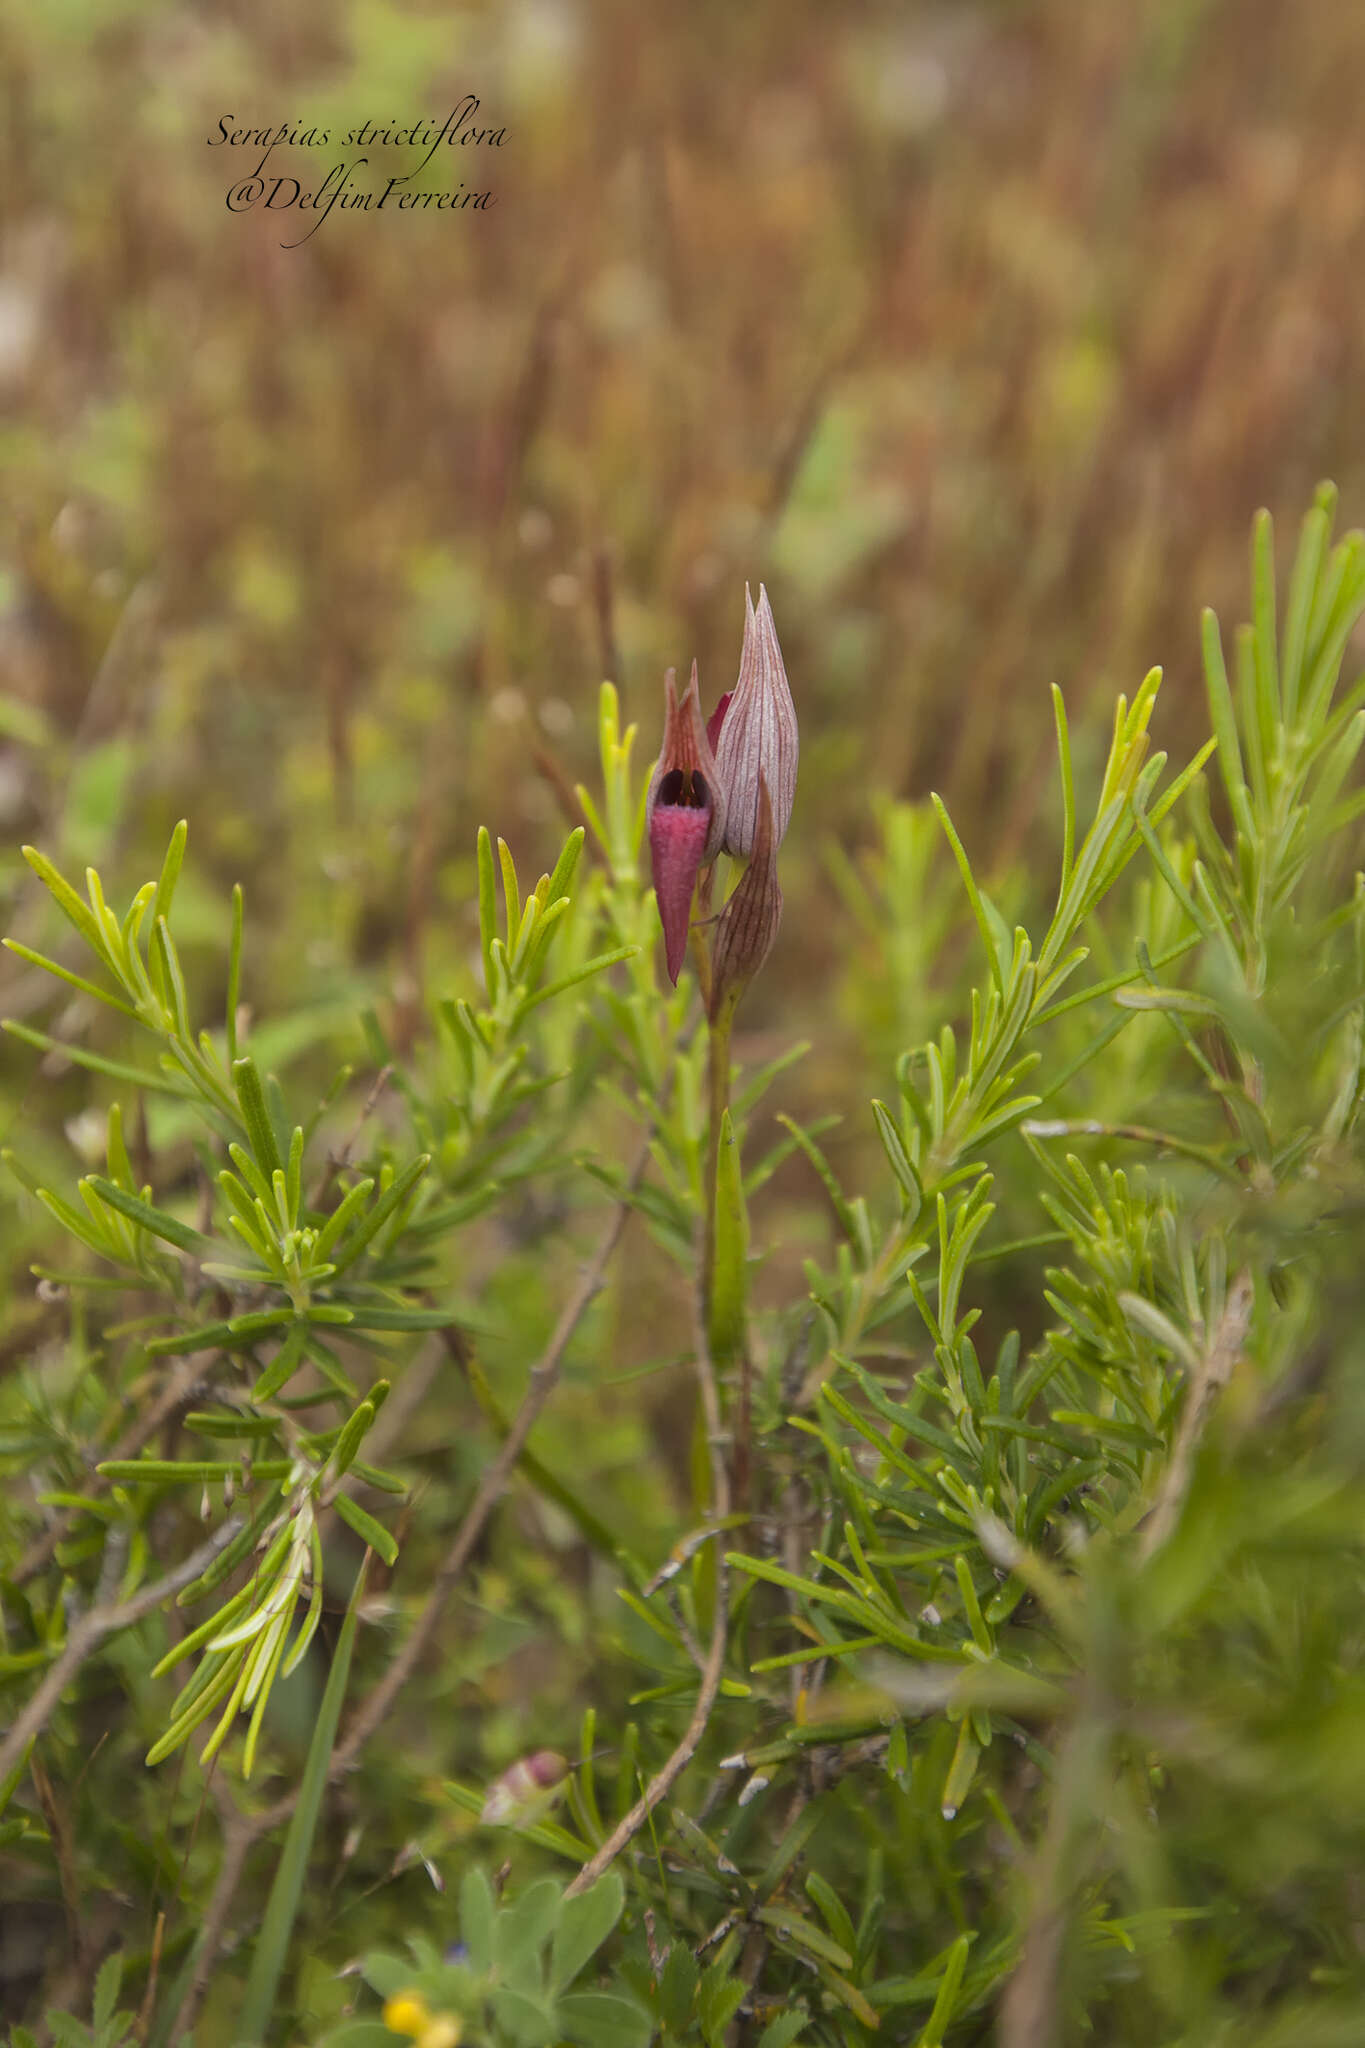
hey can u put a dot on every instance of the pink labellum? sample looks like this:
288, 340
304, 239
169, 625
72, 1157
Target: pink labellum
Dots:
684, 814
677, 843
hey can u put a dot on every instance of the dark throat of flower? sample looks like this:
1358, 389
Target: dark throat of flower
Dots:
684, 789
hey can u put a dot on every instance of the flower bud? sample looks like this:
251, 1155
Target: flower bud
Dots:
749, 921
684, 814
757, 735
525, 1791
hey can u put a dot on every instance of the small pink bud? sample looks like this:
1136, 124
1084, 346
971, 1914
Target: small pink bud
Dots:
524, 1791
749, 921
757, 735
684, 814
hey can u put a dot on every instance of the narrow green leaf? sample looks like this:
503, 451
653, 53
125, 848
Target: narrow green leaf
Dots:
369, 1229
142, 1213
308, 1626
893, 1144
164, 950
1249, 716
511, 892
566, 867
227, 1560
283, 1365
258, 1187
206, 1630
971, 1606
68, 902
352, 1435
983, 922
364, 1317
175, 1471
117, 1070
234, 1335
1263, 635
1303, 589
259, 1129
365, 1526
170, 872
10, 1784
931, 2035
341, 1217
293, 1181
839, 1201
729, 1280
83, 1227
88, 988
488, 908
197, 1708
1346, 579
1068, 788
551, 989
262, 1681
804, 1934
281, 1911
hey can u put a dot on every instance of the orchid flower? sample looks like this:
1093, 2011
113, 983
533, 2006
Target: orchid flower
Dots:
714, 783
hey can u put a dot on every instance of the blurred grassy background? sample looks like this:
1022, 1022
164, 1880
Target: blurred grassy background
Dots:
976, 331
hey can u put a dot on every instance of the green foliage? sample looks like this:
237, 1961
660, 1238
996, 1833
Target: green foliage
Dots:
292, 1269
1039, 1680
107, 2028
283, 1904
513, 1978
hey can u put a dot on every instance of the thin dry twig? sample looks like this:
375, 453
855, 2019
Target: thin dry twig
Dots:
339, 1161
58, 1824
544, 1376
1028, 2009
664, 1778
1028, 2012
1216, 1368
98, 1622
238, 1837
180, 1390
240, 1832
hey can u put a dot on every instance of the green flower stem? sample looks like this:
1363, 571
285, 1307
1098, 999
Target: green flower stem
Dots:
724, 1248
718, 1046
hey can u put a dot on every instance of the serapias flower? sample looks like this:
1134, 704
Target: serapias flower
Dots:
684, 814
753, 732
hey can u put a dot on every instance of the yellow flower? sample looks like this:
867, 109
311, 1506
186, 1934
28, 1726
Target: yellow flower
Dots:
410, 2014
444, 2031
407, 2014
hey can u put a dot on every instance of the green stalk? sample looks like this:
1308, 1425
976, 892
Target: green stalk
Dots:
725, 1255
286, 1893
718, 1042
